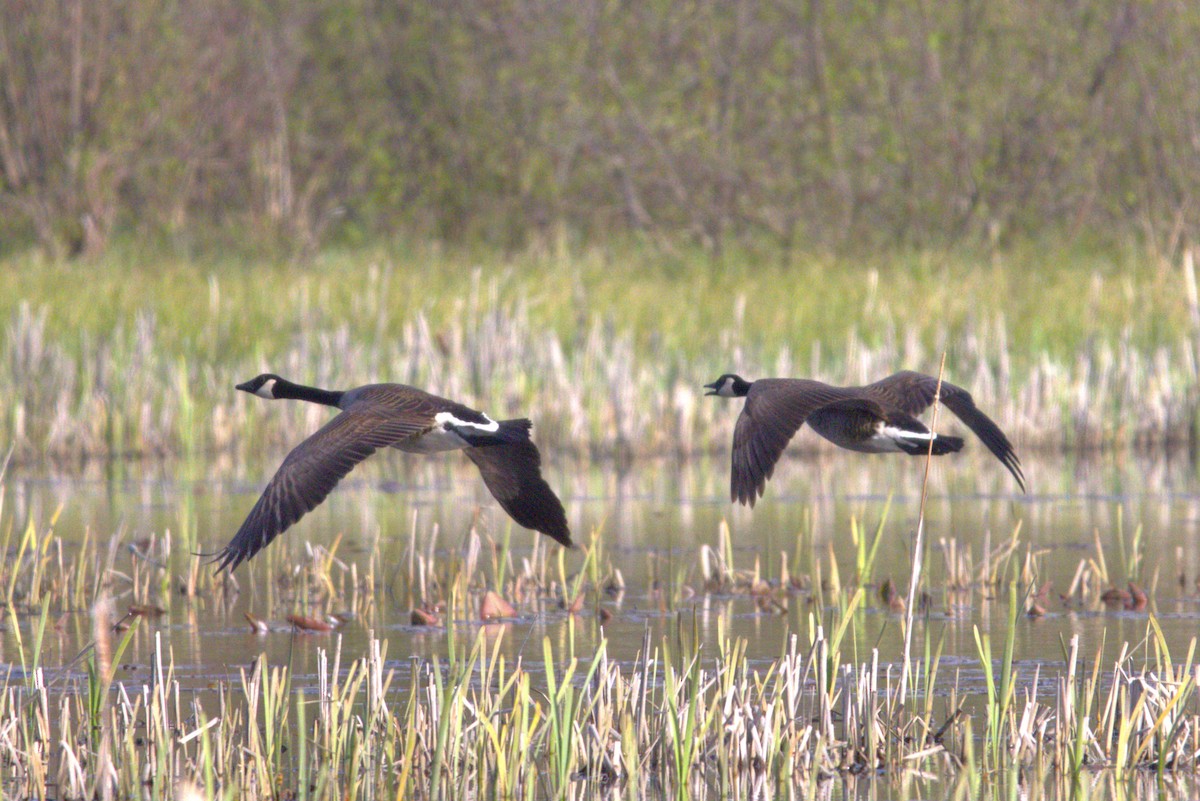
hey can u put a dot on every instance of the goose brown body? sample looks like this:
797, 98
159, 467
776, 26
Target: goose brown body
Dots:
397, 416
876, 418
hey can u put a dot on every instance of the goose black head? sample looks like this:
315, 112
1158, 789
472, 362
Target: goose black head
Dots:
729, 386
263, 386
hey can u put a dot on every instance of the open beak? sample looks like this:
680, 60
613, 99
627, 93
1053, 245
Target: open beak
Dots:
712, 387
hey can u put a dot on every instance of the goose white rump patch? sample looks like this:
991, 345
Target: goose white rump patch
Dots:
885, 438
490, 427
441, 438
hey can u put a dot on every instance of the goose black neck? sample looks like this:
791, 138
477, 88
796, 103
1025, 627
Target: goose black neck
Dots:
288, 390
741, 387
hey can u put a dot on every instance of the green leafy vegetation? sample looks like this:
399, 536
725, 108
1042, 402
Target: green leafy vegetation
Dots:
225, 125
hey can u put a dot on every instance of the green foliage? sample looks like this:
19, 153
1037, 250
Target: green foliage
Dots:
282, 128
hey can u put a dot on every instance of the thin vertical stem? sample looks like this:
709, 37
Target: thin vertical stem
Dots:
919, 541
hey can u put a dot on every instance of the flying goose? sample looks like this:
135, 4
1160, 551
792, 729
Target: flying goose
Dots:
398, 416
877, 418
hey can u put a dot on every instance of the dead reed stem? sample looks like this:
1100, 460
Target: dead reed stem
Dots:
919, 540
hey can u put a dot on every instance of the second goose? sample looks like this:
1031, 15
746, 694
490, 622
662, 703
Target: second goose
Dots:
877, 418
396, 416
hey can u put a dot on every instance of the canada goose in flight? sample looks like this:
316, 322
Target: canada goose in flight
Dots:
877, 418
398, 416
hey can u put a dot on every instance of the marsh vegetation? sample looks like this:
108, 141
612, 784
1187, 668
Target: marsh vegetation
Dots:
580, 213
605, 350
685, 652
691, 648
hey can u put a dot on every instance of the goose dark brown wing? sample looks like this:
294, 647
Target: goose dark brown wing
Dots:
309, 474
513, 474
913, 393
774, 411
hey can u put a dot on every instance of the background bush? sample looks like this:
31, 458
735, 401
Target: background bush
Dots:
814, 124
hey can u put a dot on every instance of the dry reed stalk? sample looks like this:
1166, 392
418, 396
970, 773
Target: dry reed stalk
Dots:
919, 541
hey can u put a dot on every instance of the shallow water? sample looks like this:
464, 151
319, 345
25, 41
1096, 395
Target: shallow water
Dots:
1133, 519
653, 519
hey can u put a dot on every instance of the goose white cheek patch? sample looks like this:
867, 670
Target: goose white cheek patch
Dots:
267, 390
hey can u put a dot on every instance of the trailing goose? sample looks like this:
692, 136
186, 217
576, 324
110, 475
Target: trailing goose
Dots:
397, 416
877, 418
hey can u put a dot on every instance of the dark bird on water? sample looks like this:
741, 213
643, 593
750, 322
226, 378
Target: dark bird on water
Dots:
877, 418
393, 416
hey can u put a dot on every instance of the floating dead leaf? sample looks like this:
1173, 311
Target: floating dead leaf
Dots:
1114, 597
658, 597
1137, 598
605, 615
891, 596
305, 623
257, 625
575, 607
768, 603
924, 602
423, 617
492, 606
145, 610
1035, 610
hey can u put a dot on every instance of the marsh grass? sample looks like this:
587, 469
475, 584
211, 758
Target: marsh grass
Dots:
680, 719
605, 351
692, 723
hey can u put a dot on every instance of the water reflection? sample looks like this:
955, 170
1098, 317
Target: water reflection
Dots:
652, 520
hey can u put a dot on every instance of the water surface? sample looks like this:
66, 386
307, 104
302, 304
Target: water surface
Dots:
1082, 517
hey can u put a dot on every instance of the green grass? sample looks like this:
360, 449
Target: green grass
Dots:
680, 301
602, 348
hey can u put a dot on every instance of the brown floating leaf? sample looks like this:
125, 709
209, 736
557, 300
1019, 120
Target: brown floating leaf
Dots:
492, 606
891, 596
309, 623
145, 610
1114, 597
422, 617
605, 615
1035, 610
1137, 598
768, 603
575, 606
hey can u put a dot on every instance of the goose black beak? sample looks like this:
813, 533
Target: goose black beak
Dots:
712, 388
244, 387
